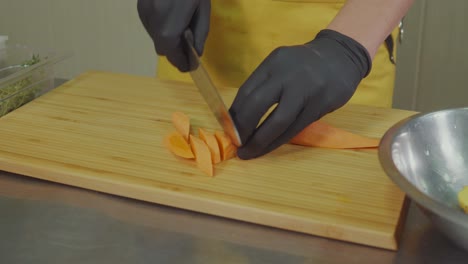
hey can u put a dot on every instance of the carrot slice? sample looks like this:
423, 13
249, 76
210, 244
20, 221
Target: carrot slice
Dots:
202, 155
182, 124
176, 143
227, 148
212, 144
321, 134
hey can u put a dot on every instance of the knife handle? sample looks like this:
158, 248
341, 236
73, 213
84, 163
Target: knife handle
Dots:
190, 51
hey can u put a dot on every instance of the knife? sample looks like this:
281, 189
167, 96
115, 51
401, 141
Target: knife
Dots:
209, 92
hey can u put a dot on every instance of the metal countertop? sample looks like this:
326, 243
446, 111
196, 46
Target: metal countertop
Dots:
44, 222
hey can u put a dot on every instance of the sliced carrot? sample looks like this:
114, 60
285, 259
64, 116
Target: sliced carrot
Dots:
321, 134
176, 143
211, 148
182, 124
227, 148
202, 155
212, 144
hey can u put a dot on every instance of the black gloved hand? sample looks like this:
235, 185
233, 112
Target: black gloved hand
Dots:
307, 81
166, 20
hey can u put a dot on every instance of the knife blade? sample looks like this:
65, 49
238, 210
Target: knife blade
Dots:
209, 92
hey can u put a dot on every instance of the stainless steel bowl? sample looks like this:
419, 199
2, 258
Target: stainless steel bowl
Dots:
426, 155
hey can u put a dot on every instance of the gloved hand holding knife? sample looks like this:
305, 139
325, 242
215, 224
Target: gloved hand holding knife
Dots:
166, 22
306, 81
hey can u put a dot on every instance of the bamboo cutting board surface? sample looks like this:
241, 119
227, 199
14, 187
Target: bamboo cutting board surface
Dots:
104, 131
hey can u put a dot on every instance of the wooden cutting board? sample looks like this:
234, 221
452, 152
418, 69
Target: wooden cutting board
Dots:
104, 131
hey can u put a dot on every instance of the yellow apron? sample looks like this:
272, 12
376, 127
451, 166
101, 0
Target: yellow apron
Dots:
243, 32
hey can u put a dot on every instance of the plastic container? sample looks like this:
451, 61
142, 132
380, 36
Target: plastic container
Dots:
3, 42
25, 74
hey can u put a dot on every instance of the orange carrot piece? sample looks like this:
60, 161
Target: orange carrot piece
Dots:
202, 155
182, 124
227, 148
321, 134
176, 143
212, 144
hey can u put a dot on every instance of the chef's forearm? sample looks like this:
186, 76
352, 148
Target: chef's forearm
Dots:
370, 21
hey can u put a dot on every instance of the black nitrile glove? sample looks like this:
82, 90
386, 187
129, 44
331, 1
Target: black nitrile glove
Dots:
166, 20
307, 81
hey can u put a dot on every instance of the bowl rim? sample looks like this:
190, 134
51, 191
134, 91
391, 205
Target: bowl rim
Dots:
386, 161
